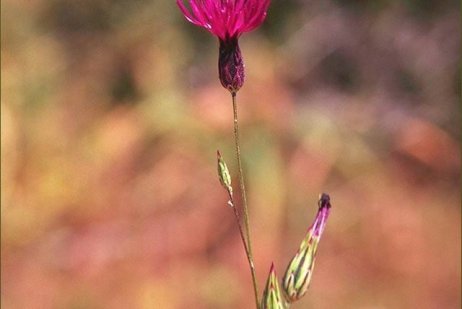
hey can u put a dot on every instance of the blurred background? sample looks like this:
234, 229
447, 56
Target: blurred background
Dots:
111, 114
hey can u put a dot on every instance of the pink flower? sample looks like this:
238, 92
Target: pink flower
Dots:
227, 19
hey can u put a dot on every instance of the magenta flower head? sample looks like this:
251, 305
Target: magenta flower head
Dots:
227, 19
300, 269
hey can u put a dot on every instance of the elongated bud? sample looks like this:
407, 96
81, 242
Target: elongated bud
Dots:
230, 65
272, 297
298, 274
223, 174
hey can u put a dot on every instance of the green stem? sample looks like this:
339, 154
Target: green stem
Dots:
244, 201
241, 230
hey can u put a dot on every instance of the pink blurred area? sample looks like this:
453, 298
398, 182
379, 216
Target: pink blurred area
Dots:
111, 115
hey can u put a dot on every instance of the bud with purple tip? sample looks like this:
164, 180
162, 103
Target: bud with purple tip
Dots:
298, 274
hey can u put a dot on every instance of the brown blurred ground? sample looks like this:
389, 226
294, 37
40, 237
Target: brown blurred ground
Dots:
111, 114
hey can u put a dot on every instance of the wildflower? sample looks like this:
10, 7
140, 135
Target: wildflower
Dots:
272, 295
227, 19
298, 274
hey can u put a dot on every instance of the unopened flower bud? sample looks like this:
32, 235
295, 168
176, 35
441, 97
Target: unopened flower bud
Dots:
298, 274
223, 174
272, 295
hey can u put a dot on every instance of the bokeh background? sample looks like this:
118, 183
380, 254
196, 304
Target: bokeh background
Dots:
111, 113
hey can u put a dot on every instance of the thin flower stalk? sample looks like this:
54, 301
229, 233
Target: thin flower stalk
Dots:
244, 199
225, 180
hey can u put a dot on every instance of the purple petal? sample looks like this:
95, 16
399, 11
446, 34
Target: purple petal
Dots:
186, 13
226, 18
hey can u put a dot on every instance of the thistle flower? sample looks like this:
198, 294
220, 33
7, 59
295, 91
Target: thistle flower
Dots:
272, 295
227, 19
298, 274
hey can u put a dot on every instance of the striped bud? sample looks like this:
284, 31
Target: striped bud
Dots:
272, 297
223, 174
298, 274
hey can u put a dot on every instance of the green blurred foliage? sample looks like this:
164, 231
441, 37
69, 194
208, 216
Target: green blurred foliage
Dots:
111, 114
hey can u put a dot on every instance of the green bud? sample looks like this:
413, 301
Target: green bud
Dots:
272, 295
298, 274
223, 174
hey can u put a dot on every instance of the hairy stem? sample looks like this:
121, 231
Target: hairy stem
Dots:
244, 200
